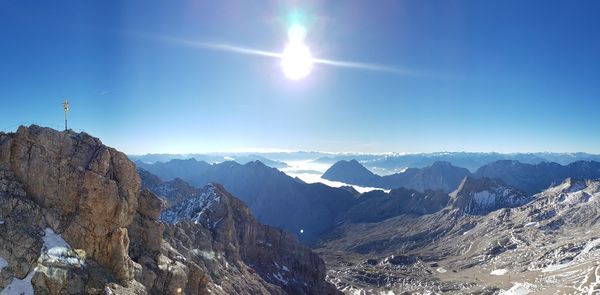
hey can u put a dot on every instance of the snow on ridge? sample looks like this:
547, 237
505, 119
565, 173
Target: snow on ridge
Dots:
280, 278
499, 272
518, 289
20, 286
3, 263
192, 209
484, 199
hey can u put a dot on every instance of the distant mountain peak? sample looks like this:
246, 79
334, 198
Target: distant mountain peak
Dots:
483, 195
350, 171
442, 164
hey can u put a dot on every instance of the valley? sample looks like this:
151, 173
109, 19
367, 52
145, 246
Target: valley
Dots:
485, 237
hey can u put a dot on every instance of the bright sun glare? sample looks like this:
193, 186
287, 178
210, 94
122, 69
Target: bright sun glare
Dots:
296, 60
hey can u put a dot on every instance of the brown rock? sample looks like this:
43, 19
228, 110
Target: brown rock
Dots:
90, 190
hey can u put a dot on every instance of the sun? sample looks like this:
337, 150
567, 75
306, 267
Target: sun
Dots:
296, 60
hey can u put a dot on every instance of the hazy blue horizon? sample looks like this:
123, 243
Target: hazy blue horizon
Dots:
407, 76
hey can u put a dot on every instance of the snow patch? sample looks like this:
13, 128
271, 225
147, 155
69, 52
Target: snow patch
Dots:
280, 278
499, 272
530, 224
17, 286
441, 270
484, 199
582, 256
205, 254
3, 263
518, 289
56, 249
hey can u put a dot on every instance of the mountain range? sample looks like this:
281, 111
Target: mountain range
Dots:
489, 239
531, 178
440, 175
78, 217
391, 163
382, 164
307, 210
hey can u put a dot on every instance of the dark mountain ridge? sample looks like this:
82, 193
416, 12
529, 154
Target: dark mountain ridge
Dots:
531, 178
306, 210
534, 178
439, 176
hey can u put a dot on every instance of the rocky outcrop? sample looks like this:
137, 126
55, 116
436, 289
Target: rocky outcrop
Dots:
217, 232
483, 195
74, 220
88, 192
173, 191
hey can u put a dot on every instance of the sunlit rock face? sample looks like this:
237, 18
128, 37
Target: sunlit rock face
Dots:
88, 192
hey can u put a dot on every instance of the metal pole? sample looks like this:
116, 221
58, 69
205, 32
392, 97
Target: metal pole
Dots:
66, 109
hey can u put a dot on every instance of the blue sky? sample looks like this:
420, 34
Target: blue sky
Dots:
506, 76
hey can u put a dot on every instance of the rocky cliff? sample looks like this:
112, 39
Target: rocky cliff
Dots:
215, 229
73, 220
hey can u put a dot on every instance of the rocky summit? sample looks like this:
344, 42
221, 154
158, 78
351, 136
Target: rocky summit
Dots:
74, 219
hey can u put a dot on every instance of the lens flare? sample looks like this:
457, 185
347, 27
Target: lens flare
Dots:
297, 33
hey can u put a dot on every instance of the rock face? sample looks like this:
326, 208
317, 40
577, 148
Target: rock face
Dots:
174, 191
216, 229
88, 192
74, 220
376, 206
